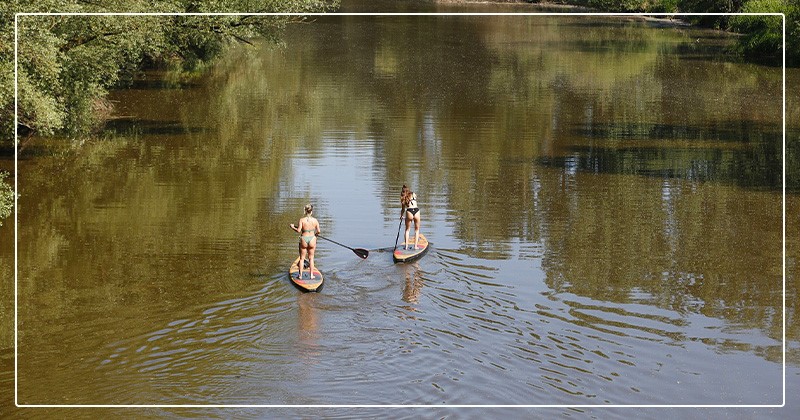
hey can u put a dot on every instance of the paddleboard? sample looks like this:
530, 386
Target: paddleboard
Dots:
411, 254
306, 284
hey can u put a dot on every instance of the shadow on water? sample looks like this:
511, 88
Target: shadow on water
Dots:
6, 150
150, 127
725, 131
752, 163
160, 84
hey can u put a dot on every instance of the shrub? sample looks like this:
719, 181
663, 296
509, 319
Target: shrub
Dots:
763, 35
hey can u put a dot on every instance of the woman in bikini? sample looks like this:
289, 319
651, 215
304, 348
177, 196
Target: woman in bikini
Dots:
410, 212
308, 228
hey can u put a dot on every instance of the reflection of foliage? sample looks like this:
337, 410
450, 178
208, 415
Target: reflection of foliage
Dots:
6, 197
524, 154
643, 153
762, 35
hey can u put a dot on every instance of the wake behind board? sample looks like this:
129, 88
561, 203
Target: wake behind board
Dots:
410, 254
306, 284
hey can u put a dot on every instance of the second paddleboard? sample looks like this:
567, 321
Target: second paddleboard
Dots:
407, 255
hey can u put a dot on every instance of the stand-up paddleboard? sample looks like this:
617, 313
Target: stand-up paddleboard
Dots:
306, 284
410, 254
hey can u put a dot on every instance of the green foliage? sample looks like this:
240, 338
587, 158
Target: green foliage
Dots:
655, 6
762, 38
67, 63
6, 197
617, 5
793, 36
763, 35
663, 6
709, 6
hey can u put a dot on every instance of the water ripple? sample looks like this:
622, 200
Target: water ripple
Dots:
205, 351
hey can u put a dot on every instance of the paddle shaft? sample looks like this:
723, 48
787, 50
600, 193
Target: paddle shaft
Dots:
337, 243
361, 252
398, 232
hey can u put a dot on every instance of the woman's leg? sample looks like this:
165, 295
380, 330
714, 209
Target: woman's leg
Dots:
302, 259
417, 221
311, 247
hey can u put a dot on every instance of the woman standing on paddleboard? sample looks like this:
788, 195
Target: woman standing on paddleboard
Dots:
410, 212
308, 228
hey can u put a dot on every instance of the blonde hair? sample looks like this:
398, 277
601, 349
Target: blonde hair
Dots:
308, 209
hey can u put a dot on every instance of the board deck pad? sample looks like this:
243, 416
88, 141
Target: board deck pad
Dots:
411, 254
306, 283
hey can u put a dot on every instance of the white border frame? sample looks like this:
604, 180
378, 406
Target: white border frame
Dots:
16, 223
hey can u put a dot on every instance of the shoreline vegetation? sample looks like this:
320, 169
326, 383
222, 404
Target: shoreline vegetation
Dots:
66, 70
761, 36
66, 65
565, 7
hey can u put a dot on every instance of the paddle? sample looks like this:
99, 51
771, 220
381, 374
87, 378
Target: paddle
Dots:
361, 252
398, 231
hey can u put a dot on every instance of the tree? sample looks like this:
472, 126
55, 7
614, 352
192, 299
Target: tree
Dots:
710, 6
763, 35
66, 64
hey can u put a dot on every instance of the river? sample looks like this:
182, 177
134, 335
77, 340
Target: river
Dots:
603, 196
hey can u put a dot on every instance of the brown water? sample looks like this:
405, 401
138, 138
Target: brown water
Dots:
603, 198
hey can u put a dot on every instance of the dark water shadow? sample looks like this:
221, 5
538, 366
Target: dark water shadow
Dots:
739, 131
149, 127
156, 84
6, 151
752, 169
744, 153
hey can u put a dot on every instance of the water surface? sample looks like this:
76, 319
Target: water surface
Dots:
603, 198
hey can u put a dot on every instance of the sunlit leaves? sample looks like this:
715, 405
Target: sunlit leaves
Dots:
764, 34
67, 63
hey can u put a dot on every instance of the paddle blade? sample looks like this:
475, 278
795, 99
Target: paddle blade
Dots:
361, 252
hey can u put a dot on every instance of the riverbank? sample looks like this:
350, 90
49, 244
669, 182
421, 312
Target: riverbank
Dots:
761, 36
568, 8
564, 6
